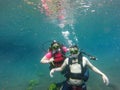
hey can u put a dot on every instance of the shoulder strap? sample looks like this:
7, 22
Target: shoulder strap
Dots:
80, 56
69, 61
79, 61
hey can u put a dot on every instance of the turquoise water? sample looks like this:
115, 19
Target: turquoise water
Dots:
24, 30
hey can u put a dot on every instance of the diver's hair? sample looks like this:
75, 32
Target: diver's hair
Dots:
74, 46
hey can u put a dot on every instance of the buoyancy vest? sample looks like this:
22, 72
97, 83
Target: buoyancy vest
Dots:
84, 75
59, 57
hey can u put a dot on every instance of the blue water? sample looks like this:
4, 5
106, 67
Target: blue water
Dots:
24, 31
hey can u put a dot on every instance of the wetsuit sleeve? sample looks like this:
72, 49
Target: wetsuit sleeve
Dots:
48, 55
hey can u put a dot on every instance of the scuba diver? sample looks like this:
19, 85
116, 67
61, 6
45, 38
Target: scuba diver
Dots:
55, 55
77, 70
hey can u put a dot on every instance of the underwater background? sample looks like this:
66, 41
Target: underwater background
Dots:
26, 32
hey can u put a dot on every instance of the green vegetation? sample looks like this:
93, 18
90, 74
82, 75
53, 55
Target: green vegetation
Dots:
32, 84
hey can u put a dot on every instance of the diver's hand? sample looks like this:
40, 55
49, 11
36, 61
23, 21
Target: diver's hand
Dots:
51, 72
105, 79
51, 60
93, 58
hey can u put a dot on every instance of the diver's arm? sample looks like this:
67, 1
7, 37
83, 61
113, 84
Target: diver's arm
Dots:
59, 68
92, 67
45, 60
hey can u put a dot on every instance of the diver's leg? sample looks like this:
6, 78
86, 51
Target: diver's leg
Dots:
66, 86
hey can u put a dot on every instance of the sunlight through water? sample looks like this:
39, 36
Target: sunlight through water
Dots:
63, 13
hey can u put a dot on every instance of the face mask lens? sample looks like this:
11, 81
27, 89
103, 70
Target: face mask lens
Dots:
73, 51
55, 47
76, 51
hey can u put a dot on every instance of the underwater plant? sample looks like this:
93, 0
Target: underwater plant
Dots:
52, 87
32, 84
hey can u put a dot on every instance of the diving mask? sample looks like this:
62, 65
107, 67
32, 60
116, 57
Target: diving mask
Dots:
55, 46
74, 51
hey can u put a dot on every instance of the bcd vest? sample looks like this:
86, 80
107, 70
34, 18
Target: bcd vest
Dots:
84, 75
59, 57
